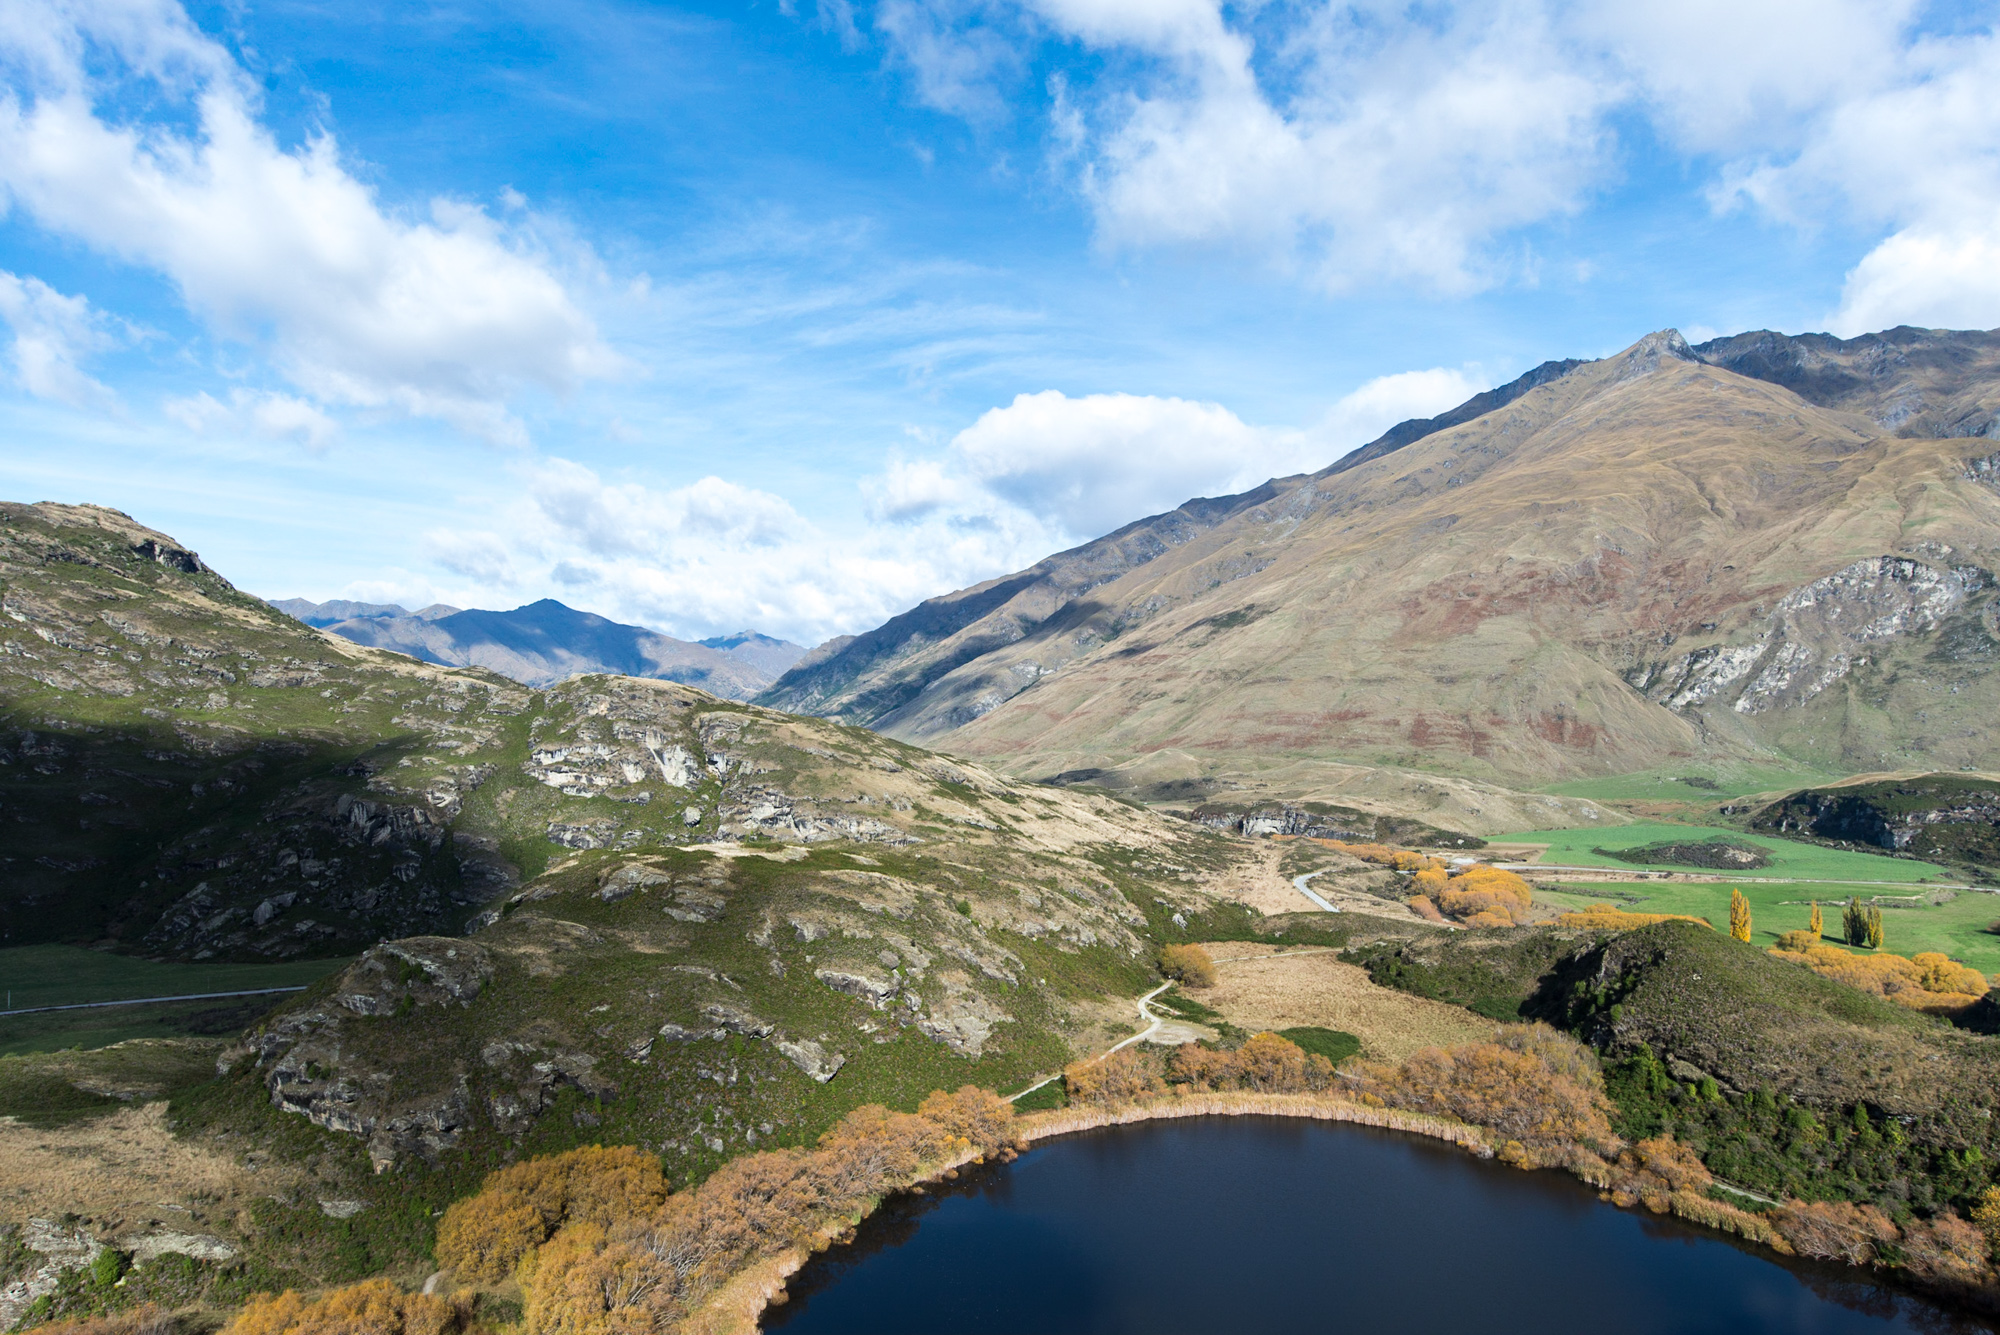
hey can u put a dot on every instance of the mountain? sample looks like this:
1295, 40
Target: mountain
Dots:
546, 641
766, 652
1666, 558
334, 612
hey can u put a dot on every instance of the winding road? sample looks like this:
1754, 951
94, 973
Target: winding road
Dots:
1146, 1017
1299, 883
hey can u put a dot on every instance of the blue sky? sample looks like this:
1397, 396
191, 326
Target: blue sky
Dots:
787, 315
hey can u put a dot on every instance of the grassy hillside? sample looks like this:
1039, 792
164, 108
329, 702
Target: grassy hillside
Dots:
1784, 1081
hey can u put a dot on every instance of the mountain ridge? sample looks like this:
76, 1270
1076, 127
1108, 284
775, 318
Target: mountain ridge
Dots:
541, 643
1761, 460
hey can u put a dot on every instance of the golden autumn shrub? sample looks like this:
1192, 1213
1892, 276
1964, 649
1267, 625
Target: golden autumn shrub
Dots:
1426, 908
1122, 1077
484, 1236
1797, 943
977, 1115
1946, 1250
1381, 855
146, 1319
1986, 1217
1483, 896
1190, 964
641, 1275
1928, 982
1531, 1085
1651, 1171
1265, 1064
1609, 917
1834, 1230
372, 1307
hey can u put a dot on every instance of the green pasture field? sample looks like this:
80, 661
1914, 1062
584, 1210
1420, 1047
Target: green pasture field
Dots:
1789, 858
70, 975
1957, 927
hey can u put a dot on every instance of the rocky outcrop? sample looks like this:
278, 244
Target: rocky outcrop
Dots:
1952, 817
1817, 635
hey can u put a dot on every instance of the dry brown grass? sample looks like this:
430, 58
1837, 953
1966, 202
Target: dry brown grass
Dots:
117, 1166
1263, 988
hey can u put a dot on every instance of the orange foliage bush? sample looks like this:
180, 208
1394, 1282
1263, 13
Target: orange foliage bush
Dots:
1123, 1077
1265, 1064
372, 1307
143, 1320
1532, 1085
484, 1236
1797, 943
1986, 1215
640, 1275
1398, 859
1834, 1230
1190, 964
1426, 908
1483, 896
1602, 917
1946, 1250
1651, 1171
1929, 982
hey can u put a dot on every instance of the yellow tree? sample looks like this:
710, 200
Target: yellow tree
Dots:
1814, 924
1739, 915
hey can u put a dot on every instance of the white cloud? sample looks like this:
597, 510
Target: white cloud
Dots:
1372, 148
53, 335
1376, 143
445, 316
1039, 474
264, 413
1937, 278
1081, 467
955, 58
1386, 400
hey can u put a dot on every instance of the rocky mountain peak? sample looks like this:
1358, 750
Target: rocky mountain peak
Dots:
1644, 357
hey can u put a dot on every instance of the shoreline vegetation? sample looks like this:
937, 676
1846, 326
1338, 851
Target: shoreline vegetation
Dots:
593, 1242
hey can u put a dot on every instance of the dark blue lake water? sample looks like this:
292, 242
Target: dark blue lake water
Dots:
1270, 1226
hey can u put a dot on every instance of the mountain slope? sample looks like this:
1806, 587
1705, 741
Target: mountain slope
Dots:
869, 678
1640, 563
546, 641
1915, 382
189, 773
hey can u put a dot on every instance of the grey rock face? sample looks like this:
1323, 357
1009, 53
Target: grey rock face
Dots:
1816, 635
811, 1058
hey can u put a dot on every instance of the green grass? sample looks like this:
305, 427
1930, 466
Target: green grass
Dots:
1958, 927
1048, 1097
1788, 857
70, 975
1336, 1045
1668, 785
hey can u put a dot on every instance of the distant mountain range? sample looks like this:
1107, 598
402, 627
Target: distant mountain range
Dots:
1762, 550
544, 642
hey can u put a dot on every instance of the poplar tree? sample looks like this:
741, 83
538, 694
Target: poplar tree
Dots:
1874, 928
1815, 925
1739, 915
1854, 922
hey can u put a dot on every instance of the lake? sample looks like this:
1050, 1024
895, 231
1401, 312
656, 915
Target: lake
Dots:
1270, 1225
